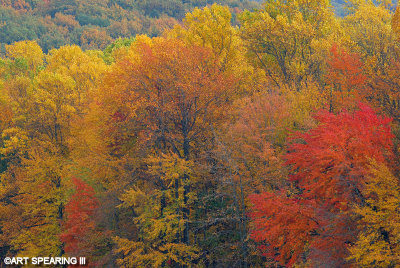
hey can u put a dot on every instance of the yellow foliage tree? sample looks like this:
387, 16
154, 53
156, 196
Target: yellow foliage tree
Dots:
363, 27
45, 108
211, 27
378, 241
159, 212
285, 37
28, 50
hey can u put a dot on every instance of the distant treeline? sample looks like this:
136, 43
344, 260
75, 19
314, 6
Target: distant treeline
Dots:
94, 24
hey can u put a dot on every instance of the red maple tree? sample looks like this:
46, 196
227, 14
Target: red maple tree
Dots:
328, 167
80, 211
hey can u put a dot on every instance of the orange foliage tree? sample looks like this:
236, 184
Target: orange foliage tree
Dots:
345, 79
161, 100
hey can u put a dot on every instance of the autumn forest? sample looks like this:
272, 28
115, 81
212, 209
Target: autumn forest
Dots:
238, 134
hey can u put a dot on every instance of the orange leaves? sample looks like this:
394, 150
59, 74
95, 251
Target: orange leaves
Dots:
172, 87
345, 68
255, 138
5, 116
396, 22
93, 38
17, 4
345, 79
284, 225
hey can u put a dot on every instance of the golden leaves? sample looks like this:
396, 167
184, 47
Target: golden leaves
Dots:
28, 50
377, 243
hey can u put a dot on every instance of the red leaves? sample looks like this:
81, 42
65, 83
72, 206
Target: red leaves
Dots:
328, 169
80, 210
334, 158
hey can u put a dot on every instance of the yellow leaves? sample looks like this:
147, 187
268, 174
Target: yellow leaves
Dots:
172, 170
138, 254
160, 214
144, 39
316, 12
38, 241
40, 179
5, 109
377, 243
181, 253
169, 167
53, 102
370, 31
322, 48
53, 90
44, 106
202, 25
48, 103
63, 57
15, 141
282, 44
169, 227
135, 254
370, 251
211, 28
18, 91
86, 69
28, 50
303, 104
134, 198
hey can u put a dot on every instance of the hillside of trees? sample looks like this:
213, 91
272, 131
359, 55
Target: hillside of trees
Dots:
93, 24
267, 137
